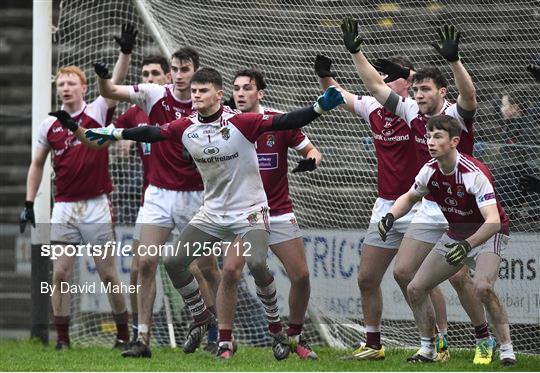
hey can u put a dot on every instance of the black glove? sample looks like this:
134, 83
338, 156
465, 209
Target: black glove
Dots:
535, 71
307, 164
457, 253
449, 44
27, 214
65, 119
102, 70
352, 41
530, 183
392, 70
127, 38
385, 225
323, 67
230, 103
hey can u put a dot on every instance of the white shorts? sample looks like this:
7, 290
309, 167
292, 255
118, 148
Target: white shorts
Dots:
283, 228
496, 244
428, 224
88, 221
232, 225
395, 235
168, 208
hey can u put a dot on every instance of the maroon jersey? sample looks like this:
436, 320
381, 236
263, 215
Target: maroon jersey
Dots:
394, 148
135, 117
461, 194
407, 108
272, 149
170, 166
80, 172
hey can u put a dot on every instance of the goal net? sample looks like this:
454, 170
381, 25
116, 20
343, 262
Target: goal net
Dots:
333, 204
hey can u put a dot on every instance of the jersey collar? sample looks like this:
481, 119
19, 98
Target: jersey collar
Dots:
211, 118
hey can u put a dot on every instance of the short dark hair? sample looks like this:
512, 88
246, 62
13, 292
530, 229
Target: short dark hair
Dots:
254, 74
187, 54
402, 61
208, 75
431, 73
155, 58
445, 123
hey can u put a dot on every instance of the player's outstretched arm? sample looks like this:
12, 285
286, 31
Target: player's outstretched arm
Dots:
369, 75
448, 47
126, 41
69, 123
106, 87
323, 69
330, 99
402, 206
33, 179
140, 134
492, 224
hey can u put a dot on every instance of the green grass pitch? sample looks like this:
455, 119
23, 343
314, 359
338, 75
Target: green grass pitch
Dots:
32, 356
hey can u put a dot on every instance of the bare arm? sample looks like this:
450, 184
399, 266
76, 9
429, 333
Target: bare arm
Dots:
349, 97
404, 204
79, 134
310, 151
492, 224
119, 74
112, 91
467, 93
371, 78
35, 173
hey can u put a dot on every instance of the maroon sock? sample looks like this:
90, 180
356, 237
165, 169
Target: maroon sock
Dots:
275, 327
225, 335
122, 329
294, 329
374, 340
61, 324
481, 331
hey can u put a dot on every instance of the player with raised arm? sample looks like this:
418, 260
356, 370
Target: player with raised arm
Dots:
285, 238
222, 144
395, 152
155, 69
477, 236
429, 87
172, 198
81, 212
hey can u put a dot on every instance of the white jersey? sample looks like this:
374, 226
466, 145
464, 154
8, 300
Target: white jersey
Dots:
223, 148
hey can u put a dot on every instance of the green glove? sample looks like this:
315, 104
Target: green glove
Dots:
352, 41
102, 135
457, 253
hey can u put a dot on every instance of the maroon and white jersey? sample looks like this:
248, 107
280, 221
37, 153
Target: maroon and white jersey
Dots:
394, 147
169, 166
272, 148
407, 108
81, 172
136, 117
223, 147
461, 194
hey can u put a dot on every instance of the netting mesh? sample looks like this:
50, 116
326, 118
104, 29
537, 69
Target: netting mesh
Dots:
281, 38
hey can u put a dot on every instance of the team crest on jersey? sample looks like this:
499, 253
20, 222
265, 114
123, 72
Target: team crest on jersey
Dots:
435, 184
460, 191
225, 133
252, 218
270, 140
